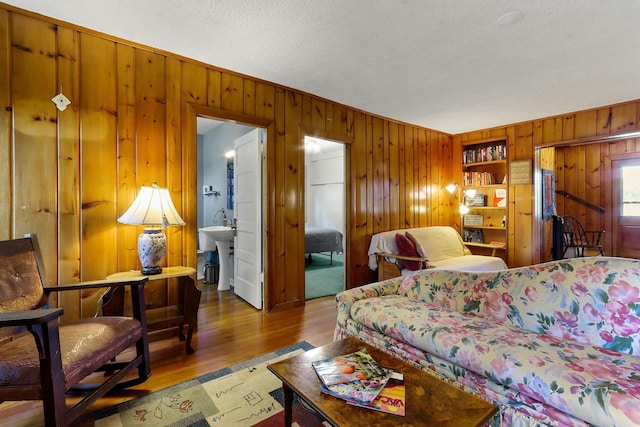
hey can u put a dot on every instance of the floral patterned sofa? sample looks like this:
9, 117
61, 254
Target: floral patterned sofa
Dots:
551, 344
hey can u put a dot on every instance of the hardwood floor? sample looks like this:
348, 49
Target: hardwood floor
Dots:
230, 331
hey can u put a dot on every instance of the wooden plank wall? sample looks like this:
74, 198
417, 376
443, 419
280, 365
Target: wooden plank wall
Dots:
69, 174
579, 169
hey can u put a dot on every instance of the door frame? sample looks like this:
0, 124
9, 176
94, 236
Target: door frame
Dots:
189, 153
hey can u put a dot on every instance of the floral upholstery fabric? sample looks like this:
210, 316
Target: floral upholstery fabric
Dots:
551, 344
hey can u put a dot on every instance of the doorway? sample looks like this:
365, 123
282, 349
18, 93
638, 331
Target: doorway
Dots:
218, 203
625, 207
325, 217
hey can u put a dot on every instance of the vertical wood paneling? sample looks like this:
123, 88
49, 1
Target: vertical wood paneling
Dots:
6, 215
359, 213
371, 178
276, 202
265, 101
329, 118
69, 172
98, 109
585, 124
194, 83
407, 168
34, 169
249, 93
552, 129
174, 97
568, 127
385, 147
293, 187
441, 176
377, 135
317, 114
418, 194
624, 118
231, 86
402, 205
394, 175
604, 117
214, 88
127, 172
423, 179
151, 148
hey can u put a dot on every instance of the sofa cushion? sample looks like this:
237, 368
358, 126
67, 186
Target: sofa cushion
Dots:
406, 248
440, 242
587, 300
598, 384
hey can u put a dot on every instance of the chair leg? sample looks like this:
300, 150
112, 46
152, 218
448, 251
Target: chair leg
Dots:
52, 382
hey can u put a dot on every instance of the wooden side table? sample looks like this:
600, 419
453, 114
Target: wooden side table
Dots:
494, 247
186, 311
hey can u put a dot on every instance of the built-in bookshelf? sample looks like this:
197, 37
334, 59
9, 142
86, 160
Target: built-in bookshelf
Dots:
484, 192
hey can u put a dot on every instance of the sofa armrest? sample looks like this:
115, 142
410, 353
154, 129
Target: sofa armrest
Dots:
345, 299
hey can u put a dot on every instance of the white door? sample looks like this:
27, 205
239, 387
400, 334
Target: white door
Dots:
247, 266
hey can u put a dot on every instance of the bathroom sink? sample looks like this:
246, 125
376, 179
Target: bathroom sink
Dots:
218, 233
218, 237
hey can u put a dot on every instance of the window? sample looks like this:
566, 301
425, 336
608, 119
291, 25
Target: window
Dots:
630, 190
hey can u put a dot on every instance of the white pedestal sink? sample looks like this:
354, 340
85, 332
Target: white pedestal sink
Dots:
218, 236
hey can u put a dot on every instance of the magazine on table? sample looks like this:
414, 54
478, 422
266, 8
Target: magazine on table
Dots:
359, 391
391, 398
348, 368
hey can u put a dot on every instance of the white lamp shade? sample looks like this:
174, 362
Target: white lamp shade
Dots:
153, 206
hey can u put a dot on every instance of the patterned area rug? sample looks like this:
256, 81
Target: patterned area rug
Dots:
243, 395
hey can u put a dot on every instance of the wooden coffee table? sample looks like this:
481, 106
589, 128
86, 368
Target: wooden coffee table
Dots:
429, 400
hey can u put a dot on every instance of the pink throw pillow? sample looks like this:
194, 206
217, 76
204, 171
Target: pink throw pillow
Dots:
407, 248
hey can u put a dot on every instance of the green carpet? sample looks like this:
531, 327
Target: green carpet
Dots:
323, 278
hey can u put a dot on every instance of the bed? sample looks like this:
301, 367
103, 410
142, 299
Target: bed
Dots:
317, 239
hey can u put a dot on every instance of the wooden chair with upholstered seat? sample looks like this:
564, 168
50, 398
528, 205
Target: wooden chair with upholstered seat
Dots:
43, 359
580, 240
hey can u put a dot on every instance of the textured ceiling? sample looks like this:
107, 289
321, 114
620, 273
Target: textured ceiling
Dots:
449, 65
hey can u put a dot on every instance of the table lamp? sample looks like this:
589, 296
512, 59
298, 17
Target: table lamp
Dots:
152, 207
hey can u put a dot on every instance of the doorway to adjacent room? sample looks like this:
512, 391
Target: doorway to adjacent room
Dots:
324, 217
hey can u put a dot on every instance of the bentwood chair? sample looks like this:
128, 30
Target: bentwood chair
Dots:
43, 359
577, 238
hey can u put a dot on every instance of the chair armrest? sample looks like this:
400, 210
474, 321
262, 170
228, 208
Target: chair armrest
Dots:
29, 317
423, 262
95, 284
345, 299
137, 292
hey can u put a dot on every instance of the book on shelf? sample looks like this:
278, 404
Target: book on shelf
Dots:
477, 200
391, 398
500, 197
